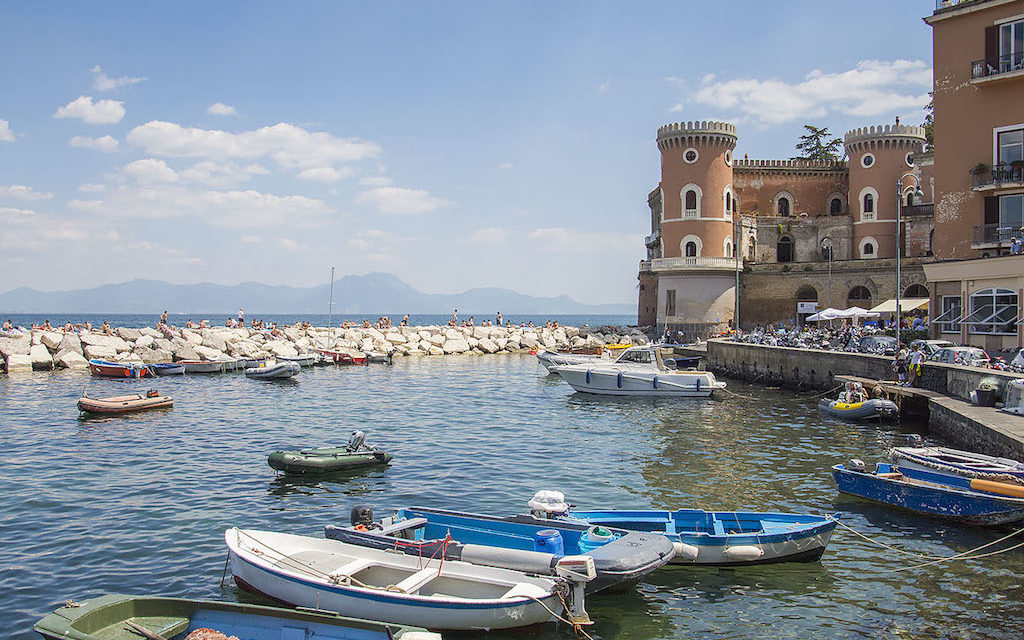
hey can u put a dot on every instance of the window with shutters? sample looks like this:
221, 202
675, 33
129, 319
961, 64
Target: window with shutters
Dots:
1004, 50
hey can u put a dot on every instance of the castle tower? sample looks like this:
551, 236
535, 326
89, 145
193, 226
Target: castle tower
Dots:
696, 183
879, 157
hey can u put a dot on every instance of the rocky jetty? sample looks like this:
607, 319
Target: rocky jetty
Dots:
45, 350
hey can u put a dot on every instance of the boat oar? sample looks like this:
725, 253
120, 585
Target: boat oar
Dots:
1002, 488
144, 631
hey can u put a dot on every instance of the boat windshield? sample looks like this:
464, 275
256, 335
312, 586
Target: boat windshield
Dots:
641, 356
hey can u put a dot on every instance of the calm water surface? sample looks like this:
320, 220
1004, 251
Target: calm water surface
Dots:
139, 505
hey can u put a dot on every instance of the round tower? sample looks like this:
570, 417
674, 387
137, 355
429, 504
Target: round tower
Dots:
879, 156
696, 183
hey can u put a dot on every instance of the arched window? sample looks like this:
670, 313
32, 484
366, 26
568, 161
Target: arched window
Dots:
691, 196
691, 249
727, 248
910, 198
868, 248
752, 248
783, 207
691, 246
931, 242
784, 250
807, 293
691, 199
993, 311
835, 207
916, 291
859, 296
869, 203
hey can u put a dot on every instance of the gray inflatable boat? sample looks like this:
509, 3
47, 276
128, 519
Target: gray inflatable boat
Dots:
872, 409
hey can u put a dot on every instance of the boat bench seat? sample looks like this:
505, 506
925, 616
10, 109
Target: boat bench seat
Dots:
350, 568
524, 589
415, 582
410, 523
164, 626
719, 528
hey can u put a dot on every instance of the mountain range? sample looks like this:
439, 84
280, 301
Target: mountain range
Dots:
373, 293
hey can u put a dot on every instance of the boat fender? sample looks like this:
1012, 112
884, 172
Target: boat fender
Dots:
655, 382
743, 552
698, 384
128, 372
618, 380
588, 376
685, 551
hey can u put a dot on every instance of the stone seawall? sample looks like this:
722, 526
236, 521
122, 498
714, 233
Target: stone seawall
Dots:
45, 350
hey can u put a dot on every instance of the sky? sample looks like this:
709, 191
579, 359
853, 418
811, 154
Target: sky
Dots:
454, 144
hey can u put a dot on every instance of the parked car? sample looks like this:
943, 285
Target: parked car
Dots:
970, 356
931, 347
881, 345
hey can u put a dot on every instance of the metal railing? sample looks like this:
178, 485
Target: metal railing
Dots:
988, 67
994, 233
998, 175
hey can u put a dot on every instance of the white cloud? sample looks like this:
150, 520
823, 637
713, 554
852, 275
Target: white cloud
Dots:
375, 181
10, 213
227, 174
289, 244
604, 86
378, 245
872, 88
106, 144
489, 236
103, 82
396, 200
252, 239
290, 146
221, 109
6, 135
505, 166
233, 209
99, 112
325, 174
21, 192
562, 240
149, 171
91, 187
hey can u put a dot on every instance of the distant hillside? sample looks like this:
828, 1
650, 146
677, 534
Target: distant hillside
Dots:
372, 293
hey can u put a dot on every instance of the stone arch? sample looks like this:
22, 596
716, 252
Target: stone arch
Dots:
916, 290
691, 246
783, 204
859, 296
785, 250
835, 204
807, 293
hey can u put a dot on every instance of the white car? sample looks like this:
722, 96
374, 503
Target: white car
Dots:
970, 356
931, 347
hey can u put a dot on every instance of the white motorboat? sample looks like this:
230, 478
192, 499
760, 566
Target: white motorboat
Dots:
639, 371
552, 359
303, 359
202, 366
273, 370
400, 588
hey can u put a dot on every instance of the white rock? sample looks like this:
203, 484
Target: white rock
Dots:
72, 360
70, 342
281, 348
15, 346
99, 352
489, 346
395, 338
436, 340
208, 353
41, 358
367, 344
51, 339
570, 332
128, 334
215, 341
473, 342
502, 343
481, 332
145, 342
453, 334
151, 332
425, 335
529, 341
192, 337
18, 362
455, 346
435, 351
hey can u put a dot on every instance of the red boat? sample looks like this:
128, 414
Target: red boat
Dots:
119, 369
340, 357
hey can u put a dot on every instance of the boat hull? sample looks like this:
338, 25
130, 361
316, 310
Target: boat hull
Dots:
552, 359
175, 617
637, 383
123, 404
203, 366
167, 369
118, 370
726, 539
307, 360
264, 573
935, 494
309, 463
867, 410
958, 463
274, 371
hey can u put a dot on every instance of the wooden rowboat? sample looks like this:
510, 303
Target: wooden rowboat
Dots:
124, 404
118, 369
115, 617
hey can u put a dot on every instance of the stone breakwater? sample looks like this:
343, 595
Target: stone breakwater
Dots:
46, 350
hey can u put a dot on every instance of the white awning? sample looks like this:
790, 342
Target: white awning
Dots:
825, 314
858, 312
906, 304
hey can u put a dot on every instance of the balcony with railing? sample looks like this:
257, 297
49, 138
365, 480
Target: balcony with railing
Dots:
692, 262
690, 213
1001, 175
994, 235
1004, 66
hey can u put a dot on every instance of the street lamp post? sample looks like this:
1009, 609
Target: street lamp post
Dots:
899, 245
736, 254
826, 246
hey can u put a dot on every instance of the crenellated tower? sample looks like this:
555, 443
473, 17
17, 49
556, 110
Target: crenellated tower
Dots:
879, 157
697, 194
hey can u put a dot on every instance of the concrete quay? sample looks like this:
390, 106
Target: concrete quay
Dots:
942, 396
47, 350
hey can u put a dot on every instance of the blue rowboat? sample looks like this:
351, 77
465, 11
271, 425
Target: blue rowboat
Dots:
112, 616
952, 497
621, 558
725, 538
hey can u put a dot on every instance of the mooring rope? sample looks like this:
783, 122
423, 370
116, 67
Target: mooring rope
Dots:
965, 555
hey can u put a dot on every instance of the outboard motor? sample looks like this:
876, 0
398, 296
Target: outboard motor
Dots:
356, 440
362, 514
576, 571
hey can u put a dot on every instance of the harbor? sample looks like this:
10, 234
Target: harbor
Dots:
117, 504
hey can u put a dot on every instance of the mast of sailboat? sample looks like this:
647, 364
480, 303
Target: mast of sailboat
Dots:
330, 305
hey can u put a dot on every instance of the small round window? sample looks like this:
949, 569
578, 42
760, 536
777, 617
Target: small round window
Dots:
690, 155
728, 157
910, 159
867, 160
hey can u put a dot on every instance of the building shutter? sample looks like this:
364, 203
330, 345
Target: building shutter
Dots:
992, 210
992, 46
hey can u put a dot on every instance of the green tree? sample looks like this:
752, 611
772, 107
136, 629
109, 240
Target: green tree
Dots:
818, 144
929, 120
